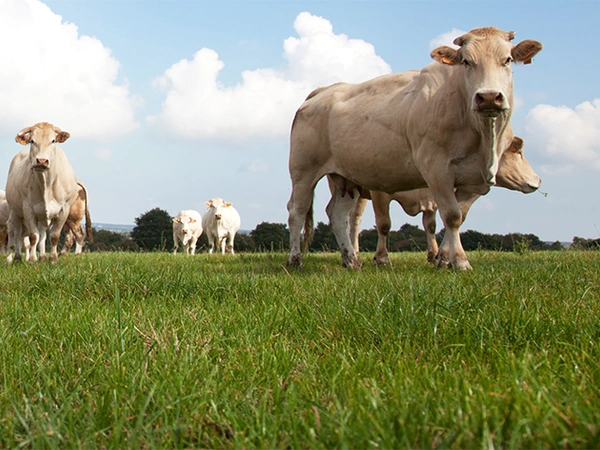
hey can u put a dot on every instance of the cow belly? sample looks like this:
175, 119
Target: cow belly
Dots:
47, 210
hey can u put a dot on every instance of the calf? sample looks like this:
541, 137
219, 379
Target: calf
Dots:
221, 222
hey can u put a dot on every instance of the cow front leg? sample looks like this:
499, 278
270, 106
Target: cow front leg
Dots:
356, 216
338, 210
451, 252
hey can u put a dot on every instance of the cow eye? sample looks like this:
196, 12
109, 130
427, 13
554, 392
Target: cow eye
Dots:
31, 141
53, 141
465, 63
508, 61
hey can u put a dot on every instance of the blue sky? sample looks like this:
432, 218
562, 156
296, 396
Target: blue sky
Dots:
170, 103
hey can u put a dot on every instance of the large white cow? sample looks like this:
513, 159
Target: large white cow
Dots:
73, 228
40, 189
445, 129
514, 173
221, 222
187, 228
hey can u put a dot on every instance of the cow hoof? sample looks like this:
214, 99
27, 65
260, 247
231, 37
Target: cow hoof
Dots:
295, 261
381, 260
431, 258
442, 263
352, 263
461, 265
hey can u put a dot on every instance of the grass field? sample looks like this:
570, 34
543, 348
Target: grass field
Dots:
155, 350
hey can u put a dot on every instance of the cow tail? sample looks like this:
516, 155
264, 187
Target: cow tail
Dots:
309, 228
88, 219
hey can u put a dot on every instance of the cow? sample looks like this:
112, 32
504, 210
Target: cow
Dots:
73, 229
187, 228
443, 127
514, 173
221, 222
4, 213
40, 189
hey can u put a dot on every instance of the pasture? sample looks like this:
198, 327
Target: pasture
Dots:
155, 350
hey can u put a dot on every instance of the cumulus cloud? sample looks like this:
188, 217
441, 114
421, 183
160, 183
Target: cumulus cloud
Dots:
198, 107
52, 73
446, 39
567, 135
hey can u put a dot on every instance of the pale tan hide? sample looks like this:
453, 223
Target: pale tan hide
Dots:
444, 127
187, 228
40, 189
4, 213
514, 173
73, 228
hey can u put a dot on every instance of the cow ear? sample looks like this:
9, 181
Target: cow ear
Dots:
228, 204
176, 220
62, 136
524, 51
445, 55
208, 204
517, 143
23, 136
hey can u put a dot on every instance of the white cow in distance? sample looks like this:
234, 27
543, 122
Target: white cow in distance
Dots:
187, 228
221, 222
40, 189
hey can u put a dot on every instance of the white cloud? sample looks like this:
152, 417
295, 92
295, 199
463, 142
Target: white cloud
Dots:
567, 135
103, 154
446, 39
51, 73
198, 107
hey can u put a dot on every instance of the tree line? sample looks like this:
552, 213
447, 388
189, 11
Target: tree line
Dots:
153, 231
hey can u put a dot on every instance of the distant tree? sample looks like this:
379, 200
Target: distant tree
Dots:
323, 239
153, 230
244, 243
367, 240
271, 236
585, 244
106, 240
556, 246
409, 238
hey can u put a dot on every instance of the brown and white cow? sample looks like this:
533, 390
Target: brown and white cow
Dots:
445, 129
514, 173
73, 228
40, 189
220, 222
187, 228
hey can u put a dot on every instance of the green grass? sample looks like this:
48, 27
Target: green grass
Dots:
155, 350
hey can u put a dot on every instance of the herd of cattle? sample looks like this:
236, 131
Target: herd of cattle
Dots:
436, 138
43, 196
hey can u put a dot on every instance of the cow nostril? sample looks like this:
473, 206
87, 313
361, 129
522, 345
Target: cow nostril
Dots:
499, 99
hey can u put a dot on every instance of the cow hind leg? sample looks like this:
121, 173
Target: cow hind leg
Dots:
338, 210
429, 226
299, 208
383, 223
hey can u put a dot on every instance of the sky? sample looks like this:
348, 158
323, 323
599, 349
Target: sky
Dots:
170, 103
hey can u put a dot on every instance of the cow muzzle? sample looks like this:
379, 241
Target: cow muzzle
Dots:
41, 164
490, 103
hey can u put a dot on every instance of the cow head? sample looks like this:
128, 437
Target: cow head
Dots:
42, 138
486, 56
218, 205
514, 171
184, 223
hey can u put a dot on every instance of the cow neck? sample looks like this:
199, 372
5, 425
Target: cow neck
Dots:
492, 139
